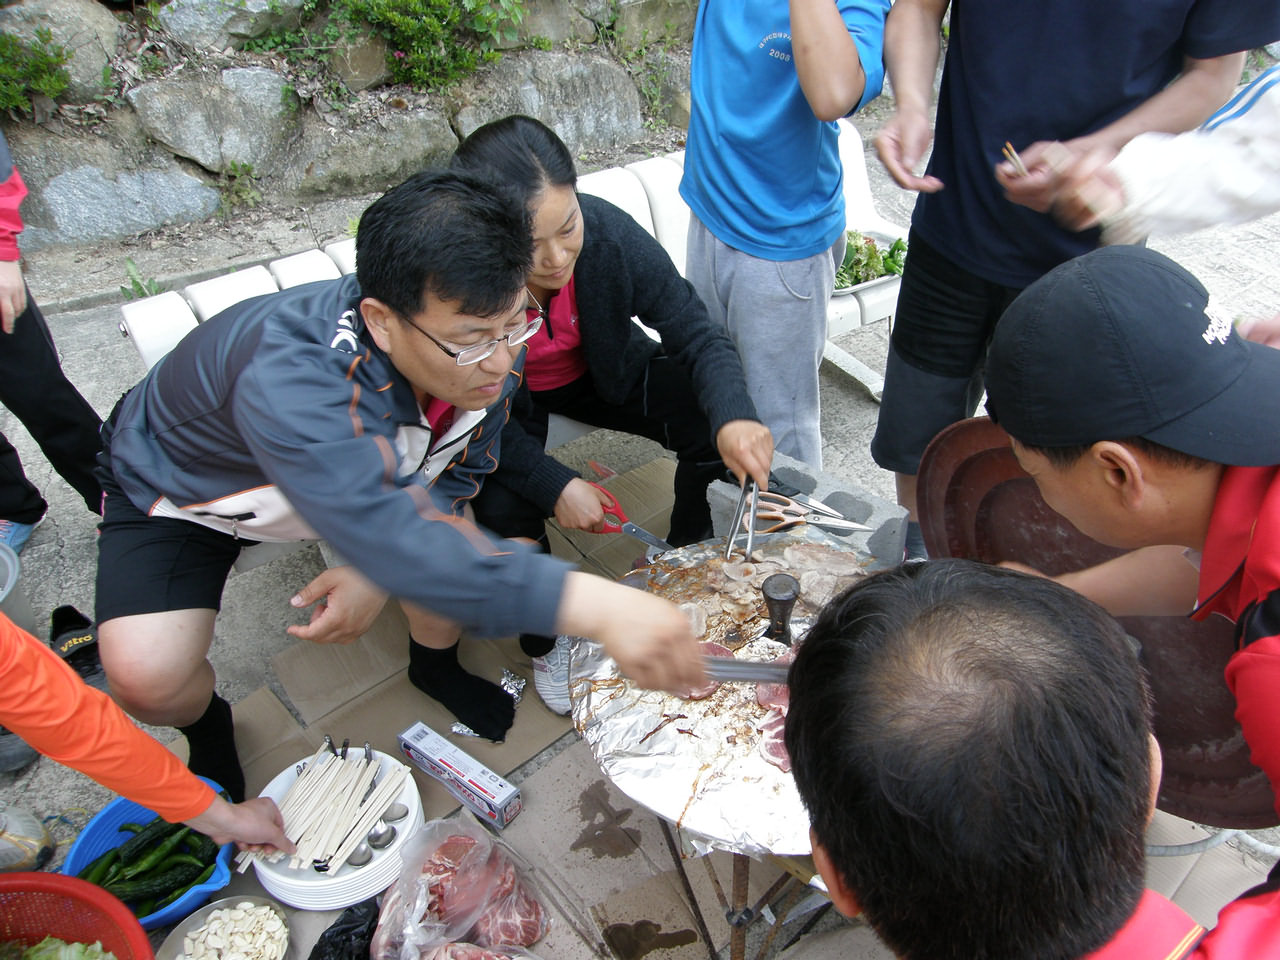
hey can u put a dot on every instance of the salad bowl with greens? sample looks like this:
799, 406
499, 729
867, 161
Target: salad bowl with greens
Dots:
867, 259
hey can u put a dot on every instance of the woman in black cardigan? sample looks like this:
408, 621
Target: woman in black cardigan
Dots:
594, 268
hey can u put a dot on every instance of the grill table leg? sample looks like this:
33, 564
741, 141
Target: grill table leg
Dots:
741, 917
688, 889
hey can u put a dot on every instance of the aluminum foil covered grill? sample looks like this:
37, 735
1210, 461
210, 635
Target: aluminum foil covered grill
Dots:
698, 763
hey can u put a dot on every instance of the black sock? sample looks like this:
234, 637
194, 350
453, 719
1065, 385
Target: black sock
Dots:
534, 645
483, 706
212, 741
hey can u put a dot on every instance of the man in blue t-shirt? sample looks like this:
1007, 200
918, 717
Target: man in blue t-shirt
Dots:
762, 177
1055, 79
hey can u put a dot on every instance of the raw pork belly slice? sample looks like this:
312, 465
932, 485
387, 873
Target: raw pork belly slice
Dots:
771, 743
776, 695
709, 648
514, 917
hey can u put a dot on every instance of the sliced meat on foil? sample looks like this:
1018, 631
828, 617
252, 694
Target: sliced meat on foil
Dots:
776, 695
772, 746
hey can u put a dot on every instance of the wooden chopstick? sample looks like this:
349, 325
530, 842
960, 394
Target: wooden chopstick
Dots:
1011, 155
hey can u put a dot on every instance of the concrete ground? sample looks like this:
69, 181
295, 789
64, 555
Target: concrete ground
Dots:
78, 289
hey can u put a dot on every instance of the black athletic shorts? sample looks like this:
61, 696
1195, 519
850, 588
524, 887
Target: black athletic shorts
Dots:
155, 564
943, 323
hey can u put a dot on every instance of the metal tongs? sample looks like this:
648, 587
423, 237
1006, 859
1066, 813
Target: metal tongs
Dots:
732, 670
784, 512
749, 494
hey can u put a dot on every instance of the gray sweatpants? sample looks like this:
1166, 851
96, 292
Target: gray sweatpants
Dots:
776, 315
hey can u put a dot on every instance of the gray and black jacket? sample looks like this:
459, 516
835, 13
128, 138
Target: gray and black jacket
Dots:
280, 419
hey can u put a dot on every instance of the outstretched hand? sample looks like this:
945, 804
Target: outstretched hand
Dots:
254, 825
346, 604
1050, 165
901, 145
649, 637
1090, 192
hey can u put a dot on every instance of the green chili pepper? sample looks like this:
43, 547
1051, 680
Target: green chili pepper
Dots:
162, 850
97, 869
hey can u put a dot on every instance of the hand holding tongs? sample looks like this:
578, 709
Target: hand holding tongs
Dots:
792, 511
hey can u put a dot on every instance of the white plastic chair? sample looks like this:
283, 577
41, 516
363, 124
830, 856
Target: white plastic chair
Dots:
208, 298
877, 301
660, 177
623, 189
156, 324
343, 253
306, 267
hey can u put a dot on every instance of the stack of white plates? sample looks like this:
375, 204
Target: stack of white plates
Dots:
307, 889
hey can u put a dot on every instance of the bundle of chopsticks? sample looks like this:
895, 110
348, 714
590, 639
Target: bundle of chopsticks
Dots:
1011, 155
331, 807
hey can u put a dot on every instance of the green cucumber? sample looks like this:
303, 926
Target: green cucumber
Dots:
171, 861
205, 875
146, 838
156, 884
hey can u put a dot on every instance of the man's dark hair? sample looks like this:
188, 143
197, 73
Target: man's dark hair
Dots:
520, 152
1065, 457
448, 232
971, 745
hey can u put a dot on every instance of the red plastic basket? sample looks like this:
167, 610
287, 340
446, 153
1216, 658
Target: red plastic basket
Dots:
38, 905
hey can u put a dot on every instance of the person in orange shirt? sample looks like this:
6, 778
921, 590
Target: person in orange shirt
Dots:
46, 703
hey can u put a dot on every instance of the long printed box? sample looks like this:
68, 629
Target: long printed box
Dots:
491, 798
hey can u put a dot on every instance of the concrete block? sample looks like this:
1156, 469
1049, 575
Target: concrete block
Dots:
884, 542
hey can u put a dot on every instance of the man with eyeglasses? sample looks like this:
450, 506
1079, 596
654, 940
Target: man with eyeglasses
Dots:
365, 411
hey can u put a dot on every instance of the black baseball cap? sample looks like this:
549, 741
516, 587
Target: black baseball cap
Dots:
1122, 342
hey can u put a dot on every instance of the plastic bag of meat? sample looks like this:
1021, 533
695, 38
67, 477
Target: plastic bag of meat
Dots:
459, 886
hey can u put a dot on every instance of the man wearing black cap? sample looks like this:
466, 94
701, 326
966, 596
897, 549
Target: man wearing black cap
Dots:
1149, 423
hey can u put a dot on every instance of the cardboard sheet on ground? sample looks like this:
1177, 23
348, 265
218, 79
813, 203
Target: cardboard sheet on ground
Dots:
361, 691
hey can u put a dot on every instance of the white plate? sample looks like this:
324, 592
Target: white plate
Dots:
307, 889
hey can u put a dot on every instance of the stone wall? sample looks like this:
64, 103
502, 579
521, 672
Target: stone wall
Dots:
170, 142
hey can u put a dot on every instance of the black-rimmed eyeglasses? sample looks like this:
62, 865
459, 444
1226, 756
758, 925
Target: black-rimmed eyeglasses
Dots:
482, 351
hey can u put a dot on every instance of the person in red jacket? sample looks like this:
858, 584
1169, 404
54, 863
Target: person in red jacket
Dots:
974, 748
1148, 422
34, 388
45, 702
37, 392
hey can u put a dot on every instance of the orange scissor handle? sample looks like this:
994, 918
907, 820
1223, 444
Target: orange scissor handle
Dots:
614, 516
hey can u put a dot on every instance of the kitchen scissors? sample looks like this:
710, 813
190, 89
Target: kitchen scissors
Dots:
786, 512
615, 521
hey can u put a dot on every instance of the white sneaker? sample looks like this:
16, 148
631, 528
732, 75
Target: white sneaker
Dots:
551, 676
